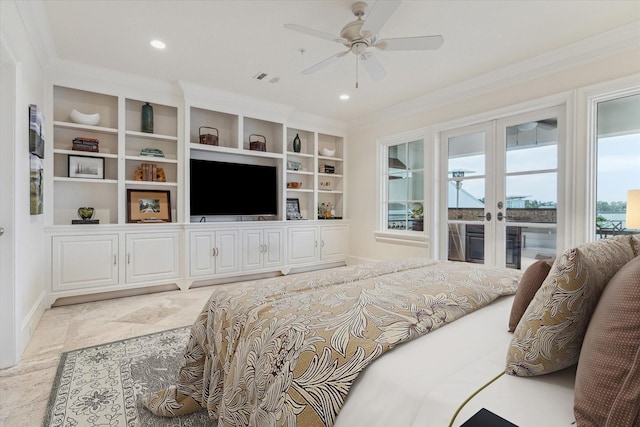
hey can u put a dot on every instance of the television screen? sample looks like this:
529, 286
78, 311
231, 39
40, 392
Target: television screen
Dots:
220, 188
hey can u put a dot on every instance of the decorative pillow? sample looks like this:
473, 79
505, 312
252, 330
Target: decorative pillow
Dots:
635, 243
607, 389
529, 284
549, 335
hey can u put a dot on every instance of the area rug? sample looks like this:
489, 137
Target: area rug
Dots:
100, 386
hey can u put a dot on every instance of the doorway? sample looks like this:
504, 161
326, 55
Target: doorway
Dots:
8, 85
500, 180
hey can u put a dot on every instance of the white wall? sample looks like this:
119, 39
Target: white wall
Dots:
363, 145
29, 262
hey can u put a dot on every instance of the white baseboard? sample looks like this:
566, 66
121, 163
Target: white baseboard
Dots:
30, 322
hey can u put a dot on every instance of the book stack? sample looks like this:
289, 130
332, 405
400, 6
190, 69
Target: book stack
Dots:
151, 152
83, 143
327, 169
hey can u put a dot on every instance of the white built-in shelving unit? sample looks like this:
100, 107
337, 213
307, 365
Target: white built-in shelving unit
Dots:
116, 255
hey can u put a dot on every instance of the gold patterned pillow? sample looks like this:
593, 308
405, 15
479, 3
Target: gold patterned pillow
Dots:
550, 333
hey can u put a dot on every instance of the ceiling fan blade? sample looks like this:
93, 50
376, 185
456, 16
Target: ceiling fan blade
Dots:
315, 33
380, 12
325, 62
411, 43
373, 66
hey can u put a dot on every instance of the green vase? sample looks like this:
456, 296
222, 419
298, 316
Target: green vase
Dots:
147, 118
297, 145
86, 213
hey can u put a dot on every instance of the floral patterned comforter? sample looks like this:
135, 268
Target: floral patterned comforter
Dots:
284, 351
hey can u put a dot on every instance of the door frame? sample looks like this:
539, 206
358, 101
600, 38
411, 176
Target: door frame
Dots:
10, 84
565, 103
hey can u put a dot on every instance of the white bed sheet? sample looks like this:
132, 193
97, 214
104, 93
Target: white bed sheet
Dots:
423, 382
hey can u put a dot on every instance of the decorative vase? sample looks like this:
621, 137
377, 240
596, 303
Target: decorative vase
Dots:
147, 118
86, 213
297, 145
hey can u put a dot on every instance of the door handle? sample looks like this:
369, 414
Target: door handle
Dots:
1, 231
488, 216
500, 216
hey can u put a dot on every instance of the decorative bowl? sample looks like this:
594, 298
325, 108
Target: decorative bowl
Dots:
294, 184
85, 119
327, 152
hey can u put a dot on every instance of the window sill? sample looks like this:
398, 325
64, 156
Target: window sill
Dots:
406, 238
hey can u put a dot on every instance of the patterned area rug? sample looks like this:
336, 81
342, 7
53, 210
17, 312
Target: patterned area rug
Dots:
100, 386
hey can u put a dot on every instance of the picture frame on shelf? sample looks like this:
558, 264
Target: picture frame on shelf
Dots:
86, 167
294, 166
148, 206
293, 209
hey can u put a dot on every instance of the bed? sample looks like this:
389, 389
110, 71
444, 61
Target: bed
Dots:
286, 350
299, 350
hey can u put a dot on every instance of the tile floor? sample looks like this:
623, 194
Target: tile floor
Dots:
24, 388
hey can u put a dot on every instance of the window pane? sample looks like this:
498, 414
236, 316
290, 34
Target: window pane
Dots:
618, 160
398, 187
532, 146
466, 155
405, 186
532, 198
416, 186
416, 155
398, 216
537, 243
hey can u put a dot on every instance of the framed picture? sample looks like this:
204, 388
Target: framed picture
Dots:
86, 167
293, 209
148, 206
36, 131
36, 185
294, 166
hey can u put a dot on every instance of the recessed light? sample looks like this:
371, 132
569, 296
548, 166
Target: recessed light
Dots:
344, 97
158, 44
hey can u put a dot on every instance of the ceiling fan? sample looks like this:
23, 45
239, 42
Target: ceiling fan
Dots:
360, 35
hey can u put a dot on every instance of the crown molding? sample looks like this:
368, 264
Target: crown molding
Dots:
611, 42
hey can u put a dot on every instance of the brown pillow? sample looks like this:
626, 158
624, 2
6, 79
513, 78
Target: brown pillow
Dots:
531, 281
607, 388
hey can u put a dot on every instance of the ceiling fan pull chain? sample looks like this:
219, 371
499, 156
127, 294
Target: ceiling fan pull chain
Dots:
357, 60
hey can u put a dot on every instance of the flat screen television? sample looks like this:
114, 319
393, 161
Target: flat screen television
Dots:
221, 188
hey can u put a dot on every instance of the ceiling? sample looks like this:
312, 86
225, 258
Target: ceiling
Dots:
224, 44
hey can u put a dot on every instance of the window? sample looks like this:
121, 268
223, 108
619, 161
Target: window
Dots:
617, 161
403, 186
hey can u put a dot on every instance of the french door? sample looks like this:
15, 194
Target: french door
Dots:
500, 189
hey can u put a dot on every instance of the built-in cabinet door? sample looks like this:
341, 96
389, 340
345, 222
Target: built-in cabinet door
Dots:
273, 255
227, 251
253, 249
303, 245
262, 248
81, 262
202, 253
333, 243
214, 252
152, 256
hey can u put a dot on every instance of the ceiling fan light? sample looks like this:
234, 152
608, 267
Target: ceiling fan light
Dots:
158, 44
